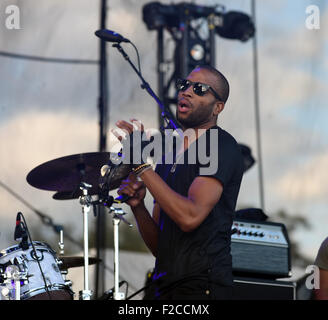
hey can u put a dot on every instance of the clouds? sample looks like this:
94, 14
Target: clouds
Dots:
40, 135
306, 183
32, 138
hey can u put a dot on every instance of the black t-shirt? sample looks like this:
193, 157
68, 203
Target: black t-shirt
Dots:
204, 252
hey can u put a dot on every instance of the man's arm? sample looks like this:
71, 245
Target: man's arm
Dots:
147, 225
187, 212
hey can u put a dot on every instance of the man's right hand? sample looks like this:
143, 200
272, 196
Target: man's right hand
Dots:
135, 189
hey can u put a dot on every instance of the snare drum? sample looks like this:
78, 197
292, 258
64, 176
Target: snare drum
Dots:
33, 285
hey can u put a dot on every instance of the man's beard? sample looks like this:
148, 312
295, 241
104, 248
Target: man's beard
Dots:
196, 117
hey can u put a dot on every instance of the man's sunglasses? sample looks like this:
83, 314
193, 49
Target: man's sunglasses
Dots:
199, 88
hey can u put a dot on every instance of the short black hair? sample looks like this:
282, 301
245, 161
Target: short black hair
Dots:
222, 85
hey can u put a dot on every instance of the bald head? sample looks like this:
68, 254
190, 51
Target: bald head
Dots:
221, 84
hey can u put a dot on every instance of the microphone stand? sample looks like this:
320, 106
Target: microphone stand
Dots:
146, 86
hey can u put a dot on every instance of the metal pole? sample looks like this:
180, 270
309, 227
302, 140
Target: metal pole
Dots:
103, 121
184, 51
17, 289
257, 112
117, 295
160, 72
86, 293
85, 201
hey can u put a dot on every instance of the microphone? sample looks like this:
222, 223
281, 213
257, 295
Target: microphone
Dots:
20, 232
110, 36
18, 229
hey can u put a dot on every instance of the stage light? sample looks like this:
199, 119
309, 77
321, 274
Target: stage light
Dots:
231, 25
236, 25
157, 15
197, 52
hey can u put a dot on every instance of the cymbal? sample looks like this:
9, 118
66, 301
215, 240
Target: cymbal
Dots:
65, 174
73, 262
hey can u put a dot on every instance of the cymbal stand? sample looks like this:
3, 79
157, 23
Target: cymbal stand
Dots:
117, 218
61, 244
85, 201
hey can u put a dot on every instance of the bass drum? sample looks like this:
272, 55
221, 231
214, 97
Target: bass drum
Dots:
34, 284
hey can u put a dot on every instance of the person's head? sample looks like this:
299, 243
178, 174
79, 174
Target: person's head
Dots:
199, 105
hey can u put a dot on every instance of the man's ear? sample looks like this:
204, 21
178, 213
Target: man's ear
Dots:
219, 106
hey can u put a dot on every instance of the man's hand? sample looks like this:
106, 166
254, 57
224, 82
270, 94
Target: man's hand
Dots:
135, 189
128, 127
132, 143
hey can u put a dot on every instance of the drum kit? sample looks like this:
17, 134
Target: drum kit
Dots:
32, 270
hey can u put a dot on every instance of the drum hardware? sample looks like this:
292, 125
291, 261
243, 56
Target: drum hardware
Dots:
21, 273
117, 218
61, 244
85, 201
66, 262
108, 295
14, 278
68, 283
107, 173
64, 175
64, 273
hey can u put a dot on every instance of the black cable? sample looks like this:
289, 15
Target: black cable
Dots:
139, 68
42, 59
140, 290
127, 288
44, 218
36, 257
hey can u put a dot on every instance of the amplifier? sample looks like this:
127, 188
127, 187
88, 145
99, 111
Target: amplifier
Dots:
263, 289
260, 248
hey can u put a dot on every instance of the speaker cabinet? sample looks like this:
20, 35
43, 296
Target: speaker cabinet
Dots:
263, 289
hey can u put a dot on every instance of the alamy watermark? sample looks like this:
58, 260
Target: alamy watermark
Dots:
312, 22
313, 280
169, 148
12, 21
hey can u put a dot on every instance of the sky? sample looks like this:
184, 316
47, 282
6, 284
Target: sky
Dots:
49, 110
